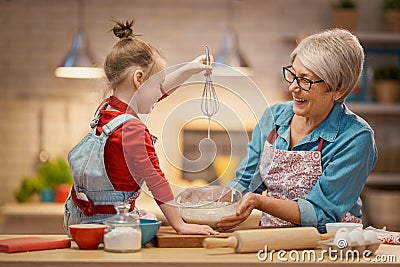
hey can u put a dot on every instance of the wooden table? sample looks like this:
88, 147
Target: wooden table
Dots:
165, 257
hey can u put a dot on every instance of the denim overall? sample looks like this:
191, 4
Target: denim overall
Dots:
93, 196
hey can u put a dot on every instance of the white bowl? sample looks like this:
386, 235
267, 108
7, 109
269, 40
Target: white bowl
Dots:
207, 204
334, 227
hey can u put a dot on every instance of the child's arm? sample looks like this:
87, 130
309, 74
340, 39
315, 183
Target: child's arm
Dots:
174, 218
176, 78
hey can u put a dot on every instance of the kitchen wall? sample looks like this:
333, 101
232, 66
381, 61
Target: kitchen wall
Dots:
36, 35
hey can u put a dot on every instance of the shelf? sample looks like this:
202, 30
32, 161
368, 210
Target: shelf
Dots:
374, 108
379, 38
388, 181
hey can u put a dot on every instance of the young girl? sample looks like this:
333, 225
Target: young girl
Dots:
126, 155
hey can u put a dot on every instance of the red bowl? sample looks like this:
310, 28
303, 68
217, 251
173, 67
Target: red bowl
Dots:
87, 236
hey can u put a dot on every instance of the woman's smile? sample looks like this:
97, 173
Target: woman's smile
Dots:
299, 101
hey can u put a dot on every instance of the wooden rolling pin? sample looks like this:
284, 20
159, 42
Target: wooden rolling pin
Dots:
276, 239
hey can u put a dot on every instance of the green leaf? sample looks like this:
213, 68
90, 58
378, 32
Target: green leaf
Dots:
48, 175
30, 186
55, 172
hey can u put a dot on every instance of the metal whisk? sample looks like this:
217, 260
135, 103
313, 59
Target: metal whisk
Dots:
209, 100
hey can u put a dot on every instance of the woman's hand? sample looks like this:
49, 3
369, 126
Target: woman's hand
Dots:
249, 202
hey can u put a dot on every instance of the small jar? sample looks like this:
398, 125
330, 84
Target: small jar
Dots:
123, 232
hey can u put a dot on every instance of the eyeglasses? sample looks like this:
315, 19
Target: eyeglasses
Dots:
302, 82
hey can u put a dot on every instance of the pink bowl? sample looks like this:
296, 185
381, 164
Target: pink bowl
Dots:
87, 236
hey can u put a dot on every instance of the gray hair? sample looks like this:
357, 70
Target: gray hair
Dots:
336, 56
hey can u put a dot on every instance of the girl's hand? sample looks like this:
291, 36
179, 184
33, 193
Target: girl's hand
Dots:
176, 78
196, 229
249, 202
174, 218
200, 64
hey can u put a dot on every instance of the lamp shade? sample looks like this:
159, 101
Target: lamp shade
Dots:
230, 61
79, 62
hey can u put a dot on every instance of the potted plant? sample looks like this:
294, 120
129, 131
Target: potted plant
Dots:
391, 15
387, 84
344, 15
52, 181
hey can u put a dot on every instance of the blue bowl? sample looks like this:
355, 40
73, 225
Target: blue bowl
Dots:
149, 229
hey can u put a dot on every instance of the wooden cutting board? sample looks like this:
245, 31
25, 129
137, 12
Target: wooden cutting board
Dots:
167, 237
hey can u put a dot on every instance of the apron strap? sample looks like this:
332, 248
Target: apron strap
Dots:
273, 135
321, 141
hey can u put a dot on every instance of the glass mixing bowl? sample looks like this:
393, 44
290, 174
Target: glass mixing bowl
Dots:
207, 204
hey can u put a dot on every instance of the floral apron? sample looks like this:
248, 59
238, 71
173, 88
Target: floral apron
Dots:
289, 175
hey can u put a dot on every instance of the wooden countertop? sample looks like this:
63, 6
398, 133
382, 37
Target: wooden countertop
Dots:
165, 257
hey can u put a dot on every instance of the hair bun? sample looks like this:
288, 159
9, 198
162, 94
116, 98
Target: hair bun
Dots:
123, 29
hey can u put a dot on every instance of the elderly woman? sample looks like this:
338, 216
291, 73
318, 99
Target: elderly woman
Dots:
311, 155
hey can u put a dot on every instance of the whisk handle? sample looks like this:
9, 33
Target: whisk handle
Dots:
207, 56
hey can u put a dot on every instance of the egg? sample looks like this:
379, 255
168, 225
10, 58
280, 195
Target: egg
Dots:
370, 237
342, 239
356, 237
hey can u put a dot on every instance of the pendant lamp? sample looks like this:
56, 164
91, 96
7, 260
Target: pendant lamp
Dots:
230, 61
79, 62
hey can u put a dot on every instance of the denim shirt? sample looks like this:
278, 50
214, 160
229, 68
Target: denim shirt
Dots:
348, 155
